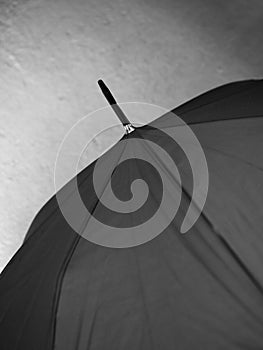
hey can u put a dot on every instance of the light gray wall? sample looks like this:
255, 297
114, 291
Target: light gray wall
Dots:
53, 52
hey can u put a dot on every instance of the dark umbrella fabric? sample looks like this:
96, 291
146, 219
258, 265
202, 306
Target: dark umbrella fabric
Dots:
199, 290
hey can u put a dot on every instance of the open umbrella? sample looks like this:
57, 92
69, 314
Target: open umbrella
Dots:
202, 289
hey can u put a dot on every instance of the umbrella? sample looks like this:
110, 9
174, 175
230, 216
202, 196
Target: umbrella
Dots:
202, 289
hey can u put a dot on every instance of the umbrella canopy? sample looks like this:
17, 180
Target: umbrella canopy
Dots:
200, 290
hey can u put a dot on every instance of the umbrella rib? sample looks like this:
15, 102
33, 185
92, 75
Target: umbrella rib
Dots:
143, 299
103, 190
59, 282
226, 119
206, 121
234, 157
170, 175
222, 98
184, 190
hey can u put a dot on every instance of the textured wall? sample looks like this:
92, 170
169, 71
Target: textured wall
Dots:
53, 52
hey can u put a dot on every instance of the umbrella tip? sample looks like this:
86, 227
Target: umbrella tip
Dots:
106, 92
116, 108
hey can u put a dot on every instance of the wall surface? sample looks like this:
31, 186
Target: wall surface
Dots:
53, 52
